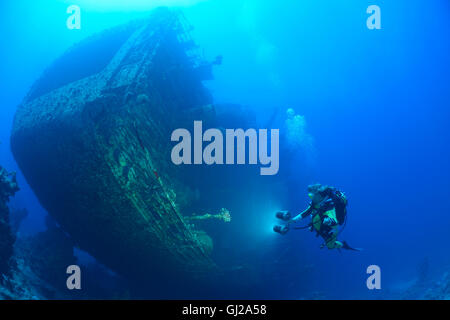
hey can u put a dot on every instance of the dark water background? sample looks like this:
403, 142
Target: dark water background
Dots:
375, 102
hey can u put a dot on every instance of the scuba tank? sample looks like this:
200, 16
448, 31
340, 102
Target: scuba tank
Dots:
340, 203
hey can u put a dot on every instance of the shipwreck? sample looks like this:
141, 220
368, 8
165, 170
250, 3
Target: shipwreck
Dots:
92, 138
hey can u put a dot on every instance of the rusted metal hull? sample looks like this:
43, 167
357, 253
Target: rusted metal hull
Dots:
96, 150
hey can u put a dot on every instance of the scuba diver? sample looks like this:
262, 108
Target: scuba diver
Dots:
328, 211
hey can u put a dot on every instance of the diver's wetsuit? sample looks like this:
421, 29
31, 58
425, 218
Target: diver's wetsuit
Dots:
324, 221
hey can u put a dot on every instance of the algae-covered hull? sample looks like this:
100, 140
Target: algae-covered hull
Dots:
93, 141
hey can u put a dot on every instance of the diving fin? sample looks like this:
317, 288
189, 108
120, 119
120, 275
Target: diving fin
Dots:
347, 247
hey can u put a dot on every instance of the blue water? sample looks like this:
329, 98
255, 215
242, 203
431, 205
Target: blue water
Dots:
375, 102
